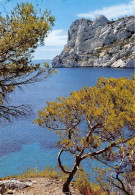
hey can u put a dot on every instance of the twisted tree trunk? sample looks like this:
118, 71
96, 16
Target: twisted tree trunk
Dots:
70, 177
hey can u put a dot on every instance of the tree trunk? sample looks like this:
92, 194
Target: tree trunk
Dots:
70, 177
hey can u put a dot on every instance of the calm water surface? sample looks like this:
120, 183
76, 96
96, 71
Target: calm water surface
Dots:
24, 144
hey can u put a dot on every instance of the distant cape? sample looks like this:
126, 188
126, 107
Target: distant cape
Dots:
99, 43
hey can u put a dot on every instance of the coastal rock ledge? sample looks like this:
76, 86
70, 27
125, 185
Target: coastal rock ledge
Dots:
99, 43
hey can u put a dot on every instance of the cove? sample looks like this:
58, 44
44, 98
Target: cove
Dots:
24, 144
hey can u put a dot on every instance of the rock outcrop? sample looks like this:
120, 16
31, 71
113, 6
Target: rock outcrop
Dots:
35, 186
99, 43
13, 184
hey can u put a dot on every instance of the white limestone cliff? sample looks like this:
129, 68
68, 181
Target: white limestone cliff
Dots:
99, 43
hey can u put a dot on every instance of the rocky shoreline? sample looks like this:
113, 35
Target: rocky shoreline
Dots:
99, 43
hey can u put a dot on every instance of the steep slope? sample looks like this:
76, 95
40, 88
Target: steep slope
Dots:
99, 43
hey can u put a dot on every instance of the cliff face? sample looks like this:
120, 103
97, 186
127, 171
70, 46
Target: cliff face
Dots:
99, 43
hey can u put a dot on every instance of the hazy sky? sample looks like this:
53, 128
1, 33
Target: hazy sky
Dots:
66, 11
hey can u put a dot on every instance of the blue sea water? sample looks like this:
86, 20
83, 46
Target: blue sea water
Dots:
24, 144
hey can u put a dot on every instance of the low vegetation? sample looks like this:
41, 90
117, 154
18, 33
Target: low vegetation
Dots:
106, 49
81, 181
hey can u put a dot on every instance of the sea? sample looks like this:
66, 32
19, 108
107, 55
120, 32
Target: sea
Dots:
24, 144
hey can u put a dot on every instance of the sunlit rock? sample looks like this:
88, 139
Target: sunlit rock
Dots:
99, 43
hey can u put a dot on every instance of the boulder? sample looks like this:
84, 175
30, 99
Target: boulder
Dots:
13, 184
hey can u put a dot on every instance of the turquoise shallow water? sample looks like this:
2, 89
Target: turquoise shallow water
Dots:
23, 144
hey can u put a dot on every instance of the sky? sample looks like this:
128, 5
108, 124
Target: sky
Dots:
67, 11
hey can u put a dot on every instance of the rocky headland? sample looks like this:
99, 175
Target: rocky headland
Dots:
99, 43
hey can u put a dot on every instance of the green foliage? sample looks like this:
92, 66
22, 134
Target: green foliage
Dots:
21, 32
96, 123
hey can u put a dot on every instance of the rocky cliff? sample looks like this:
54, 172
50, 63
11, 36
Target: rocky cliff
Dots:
99, 43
